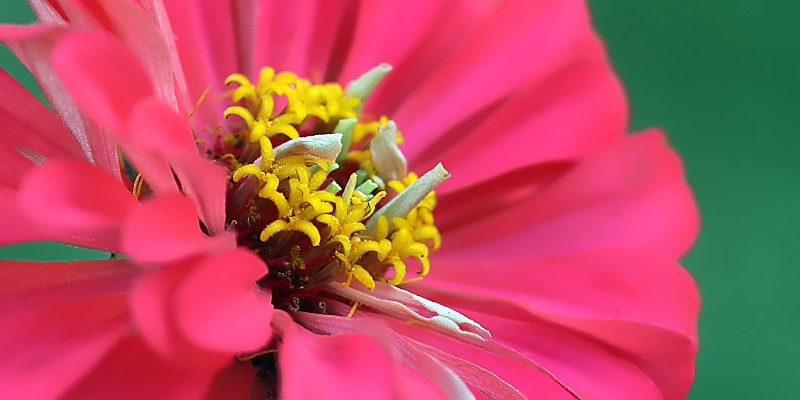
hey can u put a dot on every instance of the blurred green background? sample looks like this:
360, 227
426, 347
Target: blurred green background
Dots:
723, 78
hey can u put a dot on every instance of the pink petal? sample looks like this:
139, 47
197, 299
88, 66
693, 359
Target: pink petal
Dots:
75, 196
206, 184
13, 167
523, 377
415, 362
152, 304
220, 307
236, 381
133, 371
453, 29
166, 229
542, 38
141, 35
631, 195
537, 124
26, 284
28, 124
207, 59
71, 336
644, 305
331, 362
376, 39
33, 46
95, 68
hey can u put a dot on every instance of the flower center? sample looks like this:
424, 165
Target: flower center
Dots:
321, 193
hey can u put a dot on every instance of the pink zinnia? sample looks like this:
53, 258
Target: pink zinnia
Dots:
271, 238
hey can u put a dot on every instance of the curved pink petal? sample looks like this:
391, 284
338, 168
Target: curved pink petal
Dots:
453, 28
133, 371
376, 39
140, 33
72, 333
631, 195
309, 42
236, 381
28, 124
542, 39
27, 284
644, 309
333, 361
102, 75
206, 184
219, 306
207, 51
33, 46
166, 229
14, 166
75, 196
523, 377
537, 123
152, 304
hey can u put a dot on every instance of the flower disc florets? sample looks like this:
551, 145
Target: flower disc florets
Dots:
319, 193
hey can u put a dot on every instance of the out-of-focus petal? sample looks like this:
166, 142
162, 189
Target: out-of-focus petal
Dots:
166, 229
33, 45
69, 314
28, 124
76, 197
347, 366
104, 77
26, 284
131, 370
219, 306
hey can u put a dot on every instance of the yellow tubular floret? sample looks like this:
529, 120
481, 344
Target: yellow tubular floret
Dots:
279, 103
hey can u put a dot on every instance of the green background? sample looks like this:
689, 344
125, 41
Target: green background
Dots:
723, 78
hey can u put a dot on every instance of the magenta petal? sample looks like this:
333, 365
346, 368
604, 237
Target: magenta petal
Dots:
76, 196
96, 69
206, 184
33, 45
167, 229
133, 371
333, 362
32, 284
219, 306
28, 124
632, 194
155, 126
71, 336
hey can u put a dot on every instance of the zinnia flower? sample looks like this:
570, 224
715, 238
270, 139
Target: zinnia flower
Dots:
244, 162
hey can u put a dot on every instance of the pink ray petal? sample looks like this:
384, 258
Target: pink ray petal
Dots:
71, 336
75, 196
133, 371
454, 28
236, 381
95, 68
28, 124
166, 229
33, 46
220, 307
206, 62
205, 183
537, 124
27, 284
508, 366
376, 40
631, 195
332, 361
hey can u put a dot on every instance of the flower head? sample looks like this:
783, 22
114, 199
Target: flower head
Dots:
269, 185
